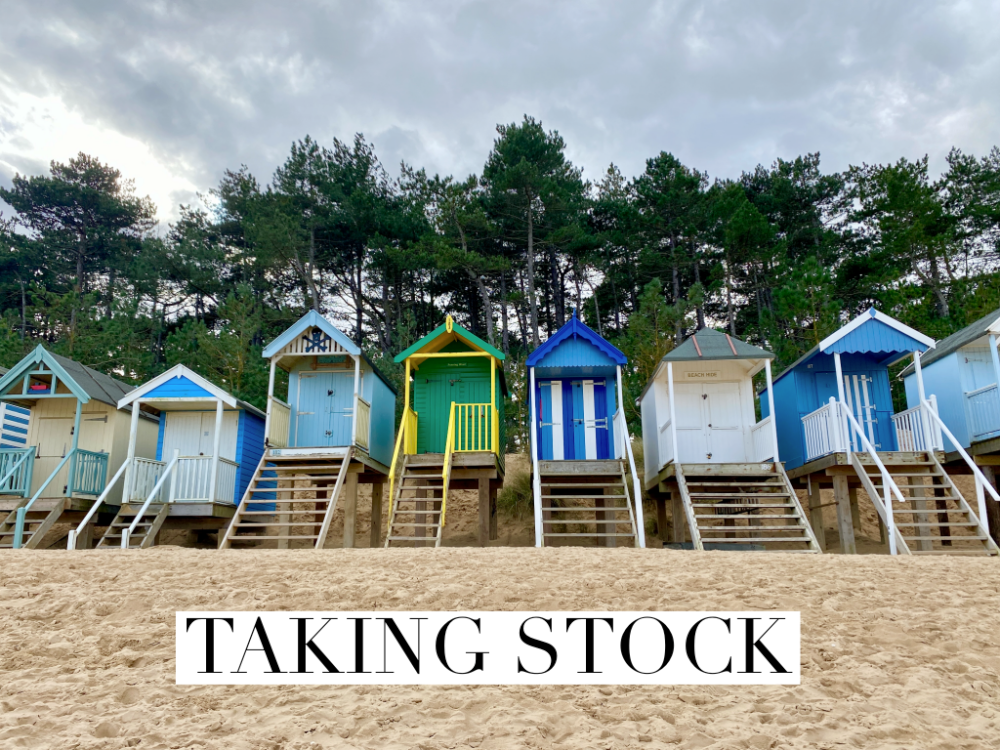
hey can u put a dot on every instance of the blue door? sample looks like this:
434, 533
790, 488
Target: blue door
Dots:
312, 417
591, 428
341, 407
553, 431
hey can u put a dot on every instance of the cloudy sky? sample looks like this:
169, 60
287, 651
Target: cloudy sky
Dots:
173, 93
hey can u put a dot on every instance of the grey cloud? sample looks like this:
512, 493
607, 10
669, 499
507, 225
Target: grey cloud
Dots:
724, 85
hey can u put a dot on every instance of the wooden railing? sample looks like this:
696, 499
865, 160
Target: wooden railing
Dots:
147, 472
824, 431
126, 533
363, 420
193, 477
474, 427
15, 470
666, 443
763, 444
915, 432
73, 534
983, 409
89, 472
280, 419
22, 512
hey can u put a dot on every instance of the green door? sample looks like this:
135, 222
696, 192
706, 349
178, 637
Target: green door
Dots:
439, 390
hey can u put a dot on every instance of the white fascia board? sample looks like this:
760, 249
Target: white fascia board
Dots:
178, 371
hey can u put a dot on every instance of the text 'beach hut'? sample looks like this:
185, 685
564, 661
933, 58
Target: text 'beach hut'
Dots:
452, 436
706, 451
581, 451
334, 432
837, 428
207, 447
77, 439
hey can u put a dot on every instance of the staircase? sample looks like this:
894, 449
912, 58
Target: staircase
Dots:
145, 531
416, 505
743, 506
579, 494
315, 479
37, 522
933, 518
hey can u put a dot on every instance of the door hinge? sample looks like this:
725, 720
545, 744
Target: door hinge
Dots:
329, 392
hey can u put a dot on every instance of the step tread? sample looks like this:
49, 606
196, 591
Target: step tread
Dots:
732, 529
283, 523
745, 540
970, 538
280, 536
578, 496
754, 506
967, 552
740, 494
603, 534
736, 515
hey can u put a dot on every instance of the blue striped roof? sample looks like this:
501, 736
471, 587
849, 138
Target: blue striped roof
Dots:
573, 329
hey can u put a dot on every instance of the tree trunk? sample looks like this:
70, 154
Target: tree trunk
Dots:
24, 308
729, 299
676, 279
310, 271
503, 312
360, 297
487, 307
700, 309
532, 301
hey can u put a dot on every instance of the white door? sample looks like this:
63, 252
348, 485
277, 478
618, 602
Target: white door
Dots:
554, 418
227, 445
691, 426
857, 390
724, 418
193, 434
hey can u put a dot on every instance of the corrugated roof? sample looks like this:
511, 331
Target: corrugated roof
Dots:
576, 327
709, 344
956, 341
96, 384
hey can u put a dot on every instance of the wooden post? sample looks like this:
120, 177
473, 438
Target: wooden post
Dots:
216, 445
375, 535
85, 540
354, 407
270, 395
535, 479
130, 458
845, 424
770, 406
420, 517
677, 516
942, 518
992, 508
494, 531
855, 509
350, 490
71, 477
284, 514
661, 517
844, 520
484, 511
816, 513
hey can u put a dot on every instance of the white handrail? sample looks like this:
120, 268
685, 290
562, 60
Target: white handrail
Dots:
75, 533
981, 481
536, 482
888, 483
637, 488
126, 533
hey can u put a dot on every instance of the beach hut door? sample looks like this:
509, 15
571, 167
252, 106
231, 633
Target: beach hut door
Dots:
550, 421
858, 392
591, 433
709, 423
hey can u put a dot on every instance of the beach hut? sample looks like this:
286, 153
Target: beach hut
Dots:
453, 435
334, 431
207, 447
706, 452
837, 428
962, 373
581, 452
14, 422
77, 439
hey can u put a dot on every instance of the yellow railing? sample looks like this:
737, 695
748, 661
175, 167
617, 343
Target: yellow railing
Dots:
474, 427
449, 448
406, 442
363, 424
280, 416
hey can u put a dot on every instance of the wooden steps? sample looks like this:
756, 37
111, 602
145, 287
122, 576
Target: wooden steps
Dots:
36, 524
415, 520
304, 490
145, 532
752, 505
932, 512
576, 495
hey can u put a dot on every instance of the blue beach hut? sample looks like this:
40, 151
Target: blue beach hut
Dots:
335, 430
580, 445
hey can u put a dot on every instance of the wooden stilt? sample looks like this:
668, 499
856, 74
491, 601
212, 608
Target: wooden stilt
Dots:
494, 531
285, 516
992, 508
942, 518
421, 518
484, 511
855, 509
375, 534
844, 521
85, 540
661, 517
816, 513
677, 517
350, 494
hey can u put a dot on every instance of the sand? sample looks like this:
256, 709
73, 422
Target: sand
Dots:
897, 653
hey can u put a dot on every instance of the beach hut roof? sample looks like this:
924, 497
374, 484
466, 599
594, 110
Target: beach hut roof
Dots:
970, 334
310, 320
871, 332
443, 335
708, 344
204, 389
82, 381
575, 328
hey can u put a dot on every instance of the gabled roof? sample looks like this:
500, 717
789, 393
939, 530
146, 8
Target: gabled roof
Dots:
182, 371
887, 336
82, 381
575, 328
311, 319
452, 330
709, 344
983, 327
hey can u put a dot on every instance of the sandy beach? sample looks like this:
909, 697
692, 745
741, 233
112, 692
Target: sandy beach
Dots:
896, 653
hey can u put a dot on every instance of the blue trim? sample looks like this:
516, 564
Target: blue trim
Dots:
159, 436
576, 328
177, 387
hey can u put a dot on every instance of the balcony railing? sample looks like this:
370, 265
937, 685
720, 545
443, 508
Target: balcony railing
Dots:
192, 480
280, 418
15, 470
89, 473
666, 443
476, 428
982, 407
146, 473
363, 412
763, 440
915, 432
824, 431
